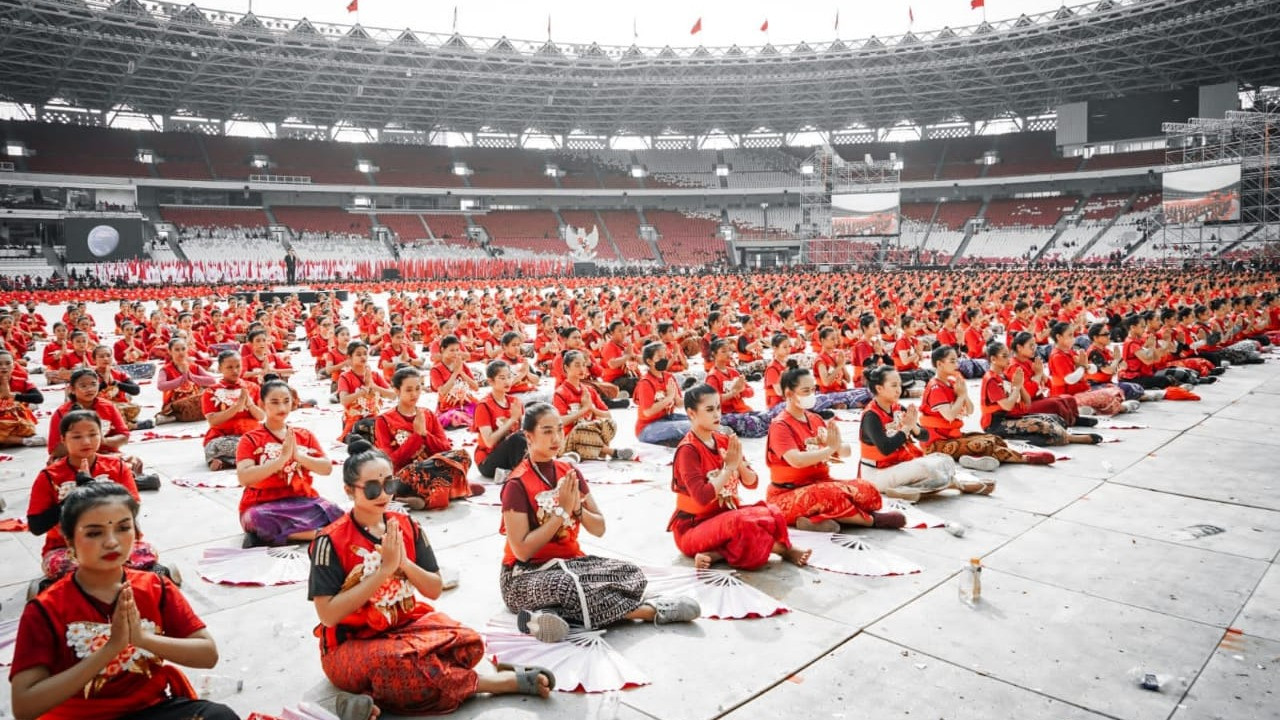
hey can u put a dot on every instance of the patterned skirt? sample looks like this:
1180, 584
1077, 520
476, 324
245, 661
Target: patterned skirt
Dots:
458, 417
437, 479
425, 667
17, 422
979, 444
588, 591
589, 438
1037, 429
222, 448
827, 500
1104, 399
747, 424
276, 520
60, 561
185, 409
139, 371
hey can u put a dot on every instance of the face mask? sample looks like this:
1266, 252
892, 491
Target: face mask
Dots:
807, 402
661, 365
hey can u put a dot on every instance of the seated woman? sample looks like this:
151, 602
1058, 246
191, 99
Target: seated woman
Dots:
429, 471
524, 378
945, 405
656, 396
396, 352
361, 391
588, 426
831, 371
84, 396
889, 436
274, 464
732, 386
181, 381
17, 421
454, 384
499, 443
1025, 357
546, 579
710, 522
1145, 360
231, 407
98, 643
799, 451
380, 644
1005, 407
117, 387
1067, 367
258, 358
81, 431
1103, 367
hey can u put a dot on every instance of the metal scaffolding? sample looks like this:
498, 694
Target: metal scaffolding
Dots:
825, 174
1251, 139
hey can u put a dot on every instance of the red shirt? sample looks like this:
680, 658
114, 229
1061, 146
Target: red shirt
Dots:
612, 351
566, 397
490, 414
292, 481
394, 435
786, 433
526, 491
360, 408
825, 363
218, 398
54, 482
1061, 364
647, 390
460, 396
105, 409
721, 378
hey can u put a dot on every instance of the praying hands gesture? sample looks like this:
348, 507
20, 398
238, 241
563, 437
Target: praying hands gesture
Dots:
391, 550
567, 492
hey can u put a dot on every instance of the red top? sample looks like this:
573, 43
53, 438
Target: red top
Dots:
218, 398
54, 482
394, 435
105, 410
994, 390
461, 394
937, 394
566, 397
1061, 364
1133, 365
528, 492
490, 414
63, 623
262, 446
786, 433
646, 394
696, 498
721, 378
360, 408
825, 363
612, 351
904, 344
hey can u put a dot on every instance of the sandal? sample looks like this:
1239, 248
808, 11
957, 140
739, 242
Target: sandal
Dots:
527, 677
350, 706
974, 485
546, 627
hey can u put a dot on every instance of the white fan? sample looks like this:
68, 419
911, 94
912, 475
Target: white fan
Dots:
583, 662
851, 555
306, 711
176, 434
255, 566
8, 636
620, 472
917, 519
220, 479
720, 593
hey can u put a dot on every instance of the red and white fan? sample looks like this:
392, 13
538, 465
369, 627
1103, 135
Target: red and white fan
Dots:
622, 472
851, 555
583, 662
8, 636
255, 566
306, 711
219, 479
917, 519
1114, 424
722, 595
175, 434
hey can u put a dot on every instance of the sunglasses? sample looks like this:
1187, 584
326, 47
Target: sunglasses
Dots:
374, 489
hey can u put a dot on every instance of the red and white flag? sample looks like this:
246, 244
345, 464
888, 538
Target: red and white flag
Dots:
353, 6
975, 4
765, 26
697, 27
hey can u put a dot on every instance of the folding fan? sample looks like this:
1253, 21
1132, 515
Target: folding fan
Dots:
583, 662
175, 434
1113, 424
851, 555
220, 479
255, 566
720, 593
917, 519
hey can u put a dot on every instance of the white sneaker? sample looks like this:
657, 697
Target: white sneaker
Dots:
572, 457
1152, 395
1130, 406
34, 441
500, 475
985, 463
1087, 411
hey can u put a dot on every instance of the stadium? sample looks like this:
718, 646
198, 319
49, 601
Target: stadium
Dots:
174, 174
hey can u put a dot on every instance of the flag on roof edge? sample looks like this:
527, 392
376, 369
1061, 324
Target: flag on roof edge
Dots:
353, 6
765, 26
697, 27
975, 4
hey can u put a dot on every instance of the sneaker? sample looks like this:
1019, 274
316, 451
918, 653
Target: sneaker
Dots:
310, 403
572, 457
667, 610
619, 404
546, 627
35, 370
755, 377
333, 399
826, 414
624, 454
624, 395
163, 419
1086, 411
1225, 364
144, 425
1217, 371
34, 441
1207, 380
148, 482
983, 463
1130, 406
1152, 395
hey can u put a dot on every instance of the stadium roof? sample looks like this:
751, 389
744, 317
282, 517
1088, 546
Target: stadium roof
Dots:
167, 59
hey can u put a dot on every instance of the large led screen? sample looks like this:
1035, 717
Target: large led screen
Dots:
1202, 195
864, 214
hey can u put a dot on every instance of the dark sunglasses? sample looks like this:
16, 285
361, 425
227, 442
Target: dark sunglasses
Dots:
374, 489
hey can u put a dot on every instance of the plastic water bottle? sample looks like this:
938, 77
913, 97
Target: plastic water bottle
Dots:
970, 584
218, 687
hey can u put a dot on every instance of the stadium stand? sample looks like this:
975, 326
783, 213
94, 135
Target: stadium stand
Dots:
1028, 212
624, 227
586, 220
533, 230
77, 150
322, 220
408, 227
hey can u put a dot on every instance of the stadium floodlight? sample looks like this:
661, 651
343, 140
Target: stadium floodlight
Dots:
362, 201
552, 170
15, 149
364, 166
146, 157
990, 157
722, 170
466, 204
806, 168
638, 171
460, 168
260, 161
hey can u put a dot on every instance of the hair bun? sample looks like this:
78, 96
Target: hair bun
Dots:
355, 447
792, 363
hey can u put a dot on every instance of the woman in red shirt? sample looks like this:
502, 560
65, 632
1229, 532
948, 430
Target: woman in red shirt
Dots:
369, 572
117, 387
454, 384
710, 522
231, 407
832, 372
733, 387
798, 454
656, 396
274, 464
82, 433
1067, 367
361, 391
98, 644
17, 421
181, 382
890, 436
429, 471
546, 578
1005, 406
588, 426
500, 445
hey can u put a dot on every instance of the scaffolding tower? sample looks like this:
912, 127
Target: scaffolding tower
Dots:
824, 174
1250, 138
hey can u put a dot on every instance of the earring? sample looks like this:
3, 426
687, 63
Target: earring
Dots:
71, 556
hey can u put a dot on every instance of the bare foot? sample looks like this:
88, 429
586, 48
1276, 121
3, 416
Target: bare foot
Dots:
216, 464
702, 561
505, 683
797, 556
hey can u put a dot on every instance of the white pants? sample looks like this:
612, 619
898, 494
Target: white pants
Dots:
931, 472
